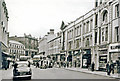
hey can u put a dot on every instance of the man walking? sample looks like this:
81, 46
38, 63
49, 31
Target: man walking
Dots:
93, 66
108, 68
112, 67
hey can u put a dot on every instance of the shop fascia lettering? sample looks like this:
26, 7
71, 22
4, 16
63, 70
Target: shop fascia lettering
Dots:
115, 47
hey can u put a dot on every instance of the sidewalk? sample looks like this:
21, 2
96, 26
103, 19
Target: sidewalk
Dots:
95, 72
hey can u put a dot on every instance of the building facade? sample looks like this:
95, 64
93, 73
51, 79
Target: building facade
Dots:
3, 29
93, 37
30, 43
16, 49
54, 48
43, 43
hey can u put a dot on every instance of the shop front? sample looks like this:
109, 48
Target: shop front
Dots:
76, 58
86, 58
115, 56
103, 57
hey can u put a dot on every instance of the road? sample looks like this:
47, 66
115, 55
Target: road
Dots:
54, 73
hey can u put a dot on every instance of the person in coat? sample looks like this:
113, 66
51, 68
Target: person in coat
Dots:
108, 68
93, 66
112, 67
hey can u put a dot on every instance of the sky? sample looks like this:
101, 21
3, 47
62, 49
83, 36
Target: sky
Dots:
36, 17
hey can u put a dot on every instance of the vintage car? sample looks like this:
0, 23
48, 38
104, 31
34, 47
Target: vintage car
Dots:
22, 70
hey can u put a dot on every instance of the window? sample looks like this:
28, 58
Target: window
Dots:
75, 31
95, 37
96, 3
117, 11
87, 42
106, 34
84, 28
80, 29
69, 45
105, 13
117, 34
91, 24
100, 1
87, 28
96, 20
102, 34
77, 43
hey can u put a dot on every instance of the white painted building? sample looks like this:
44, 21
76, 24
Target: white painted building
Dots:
54, 47
42, 45
93, 37
16, 49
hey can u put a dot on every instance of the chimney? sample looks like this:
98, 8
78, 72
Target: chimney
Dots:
58, 34
51, 31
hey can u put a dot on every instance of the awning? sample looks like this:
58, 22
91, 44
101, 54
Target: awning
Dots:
5, 54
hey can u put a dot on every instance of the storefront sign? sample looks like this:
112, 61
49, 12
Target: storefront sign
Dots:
115, 47
103, 46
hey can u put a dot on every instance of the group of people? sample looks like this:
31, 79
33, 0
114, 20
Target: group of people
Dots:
110, 68
5, 64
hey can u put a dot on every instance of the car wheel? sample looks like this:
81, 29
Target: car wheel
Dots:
29, 78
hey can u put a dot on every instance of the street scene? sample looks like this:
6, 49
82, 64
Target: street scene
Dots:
42, 39
55, 73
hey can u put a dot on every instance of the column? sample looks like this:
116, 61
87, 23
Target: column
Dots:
97, 66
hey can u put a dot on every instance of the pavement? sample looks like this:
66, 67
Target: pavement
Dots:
116, 75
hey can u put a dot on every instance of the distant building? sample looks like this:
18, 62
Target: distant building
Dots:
30, 43
43, 46
54, 47
16, 49
3, 29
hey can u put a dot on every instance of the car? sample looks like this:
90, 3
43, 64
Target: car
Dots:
22, 70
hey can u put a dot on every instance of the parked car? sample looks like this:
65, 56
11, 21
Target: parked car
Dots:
22, 70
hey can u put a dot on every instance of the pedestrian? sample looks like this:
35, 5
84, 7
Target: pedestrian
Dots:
108, 68
28, 63
37, 65
93, 66
112, 67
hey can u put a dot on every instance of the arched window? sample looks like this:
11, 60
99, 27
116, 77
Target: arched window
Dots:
105, 16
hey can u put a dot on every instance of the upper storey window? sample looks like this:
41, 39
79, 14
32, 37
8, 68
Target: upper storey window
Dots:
105, 16
117, 11
96, 3
100, 1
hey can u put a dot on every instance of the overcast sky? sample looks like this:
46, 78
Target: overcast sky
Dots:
36, 17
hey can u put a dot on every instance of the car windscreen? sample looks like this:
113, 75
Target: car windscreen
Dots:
22, 65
